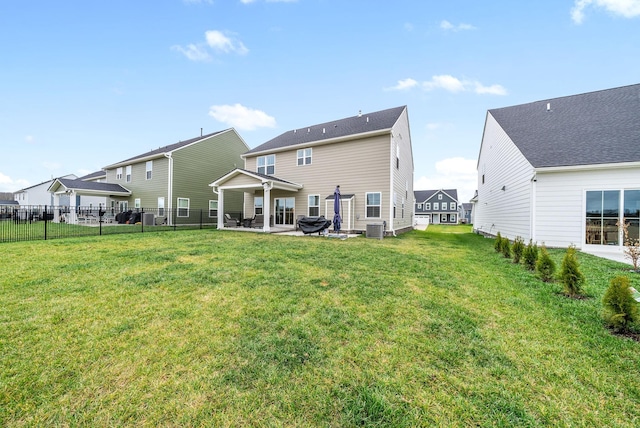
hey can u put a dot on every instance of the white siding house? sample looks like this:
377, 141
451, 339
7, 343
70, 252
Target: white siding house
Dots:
562, 171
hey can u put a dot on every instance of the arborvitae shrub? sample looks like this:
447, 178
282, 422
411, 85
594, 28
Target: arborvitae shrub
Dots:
530, 255
506, 248
545, 266
620, 308
497, 244
517, 248
570, 273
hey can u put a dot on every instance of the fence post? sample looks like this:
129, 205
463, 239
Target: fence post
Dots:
46, 213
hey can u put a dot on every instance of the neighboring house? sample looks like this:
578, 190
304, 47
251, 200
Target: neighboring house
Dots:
7, 207
438, 206
562, 171
172, 182
295, 174
38, 195
465, 212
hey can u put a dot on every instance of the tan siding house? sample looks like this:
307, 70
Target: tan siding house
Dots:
295, 174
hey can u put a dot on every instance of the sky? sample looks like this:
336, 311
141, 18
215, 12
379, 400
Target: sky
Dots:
84, 84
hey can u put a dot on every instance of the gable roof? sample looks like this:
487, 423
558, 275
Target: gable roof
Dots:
94, 175
163, 150
92, 187
354, 125
599, 127
425, 195
260, 178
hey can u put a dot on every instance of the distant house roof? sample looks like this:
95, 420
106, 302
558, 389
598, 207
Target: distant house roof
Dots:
425, 195
166, 149
92, 187
359, 124
48, 181
586, 129
8, 202
94, 175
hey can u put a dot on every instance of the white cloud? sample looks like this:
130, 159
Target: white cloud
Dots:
403, 85
193, 52
452, 173
624, 8
223, 43
7, 184
451, 84
447, 26
241, 117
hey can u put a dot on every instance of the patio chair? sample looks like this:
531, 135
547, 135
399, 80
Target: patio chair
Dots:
230, 221
258, 221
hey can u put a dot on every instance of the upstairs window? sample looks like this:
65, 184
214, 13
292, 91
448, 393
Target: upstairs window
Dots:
119, 173
427, 206
267, 164
436, 206
304, 157
149, 169
452, 206
440, 197
128, 173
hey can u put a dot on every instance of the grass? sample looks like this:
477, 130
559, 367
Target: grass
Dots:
220, 328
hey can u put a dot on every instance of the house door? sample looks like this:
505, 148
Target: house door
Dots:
123, 206
284, 211
436, 219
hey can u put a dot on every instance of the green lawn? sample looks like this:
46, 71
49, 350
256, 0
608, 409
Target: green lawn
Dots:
220, 328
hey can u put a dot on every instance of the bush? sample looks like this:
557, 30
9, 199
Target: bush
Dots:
497, 244
545, 266
506, 248
517, 248
620, 309
530, 255
570, 273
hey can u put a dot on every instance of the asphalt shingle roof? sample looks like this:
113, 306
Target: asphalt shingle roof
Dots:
92, 185
586, 129
359, 124
423, 195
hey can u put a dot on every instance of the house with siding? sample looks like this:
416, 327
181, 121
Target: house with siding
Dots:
437, 206
562, 171
171, 181
295, 174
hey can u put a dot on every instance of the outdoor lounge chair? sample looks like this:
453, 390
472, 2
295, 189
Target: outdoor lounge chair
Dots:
258, 221
230, 221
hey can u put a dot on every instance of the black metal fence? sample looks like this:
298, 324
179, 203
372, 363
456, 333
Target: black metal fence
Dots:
30, 223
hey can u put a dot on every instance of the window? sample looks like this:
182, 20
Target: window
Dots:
452, 206
149, 169
397, 156
602, 214
395, 203
314, 205
136, 203
419, 206
440, 197
373, 204
161, 205
482, 178
436, 206
128, 173
257, 205
452, 218
402, 208
183, 207
427, 206
119, 173
213, 208
632, 213
443, 218
304, 157
267, 164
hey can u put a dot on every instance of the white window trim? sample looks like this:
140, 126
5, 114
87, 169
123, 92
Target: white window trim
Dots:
119, 173
136, 203
301, 154
182, 208
213, 202
256, 206
266, 165
436, 206
128, 173
452, 206
309, 206
149, 170
427, 206
366, 204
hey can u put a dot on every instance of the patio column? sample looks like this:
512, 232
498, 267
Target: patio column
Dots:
220, 209
56, 207
73, 215
267, 206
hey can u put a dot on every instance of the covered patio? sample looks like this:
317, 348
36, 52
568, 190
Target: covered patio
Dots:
254, 183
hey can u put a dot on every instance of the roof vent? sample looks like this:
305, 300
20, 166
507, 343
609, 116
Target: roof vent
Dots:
359, 113
308, 130
323, 130
548, 106
367, 119
294, 131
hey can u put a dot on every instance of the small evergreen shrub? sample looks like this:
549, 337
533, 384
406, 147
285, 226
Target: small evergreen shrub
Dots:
530, 255
497, 244
506, 248
518, 249
545, 267
620, 309
570, 273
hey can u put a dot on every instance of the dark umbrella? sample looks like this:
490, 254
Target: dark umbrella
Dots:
336, 210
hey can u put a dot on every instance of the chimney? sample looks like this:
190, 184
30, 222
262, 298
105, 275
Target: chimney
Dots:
201, 132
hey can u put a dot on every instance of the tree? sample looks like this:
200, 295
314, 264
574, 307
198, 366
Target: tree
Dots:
570, 273
545, 267
631, 245
620, 308
518, 249
530, 255
506, 248
497, 244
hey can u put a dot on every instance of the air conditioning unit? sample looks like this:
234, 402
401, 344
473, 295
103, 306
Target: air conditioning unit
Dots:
148, 219
375, 230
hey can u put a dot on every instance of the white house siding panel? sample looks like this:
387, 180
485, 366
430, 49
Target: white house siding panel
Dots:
560, 201
506, 211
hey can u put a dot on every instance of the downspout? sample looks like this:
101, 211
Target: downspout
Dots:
170, 188
391, 182
532, 215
